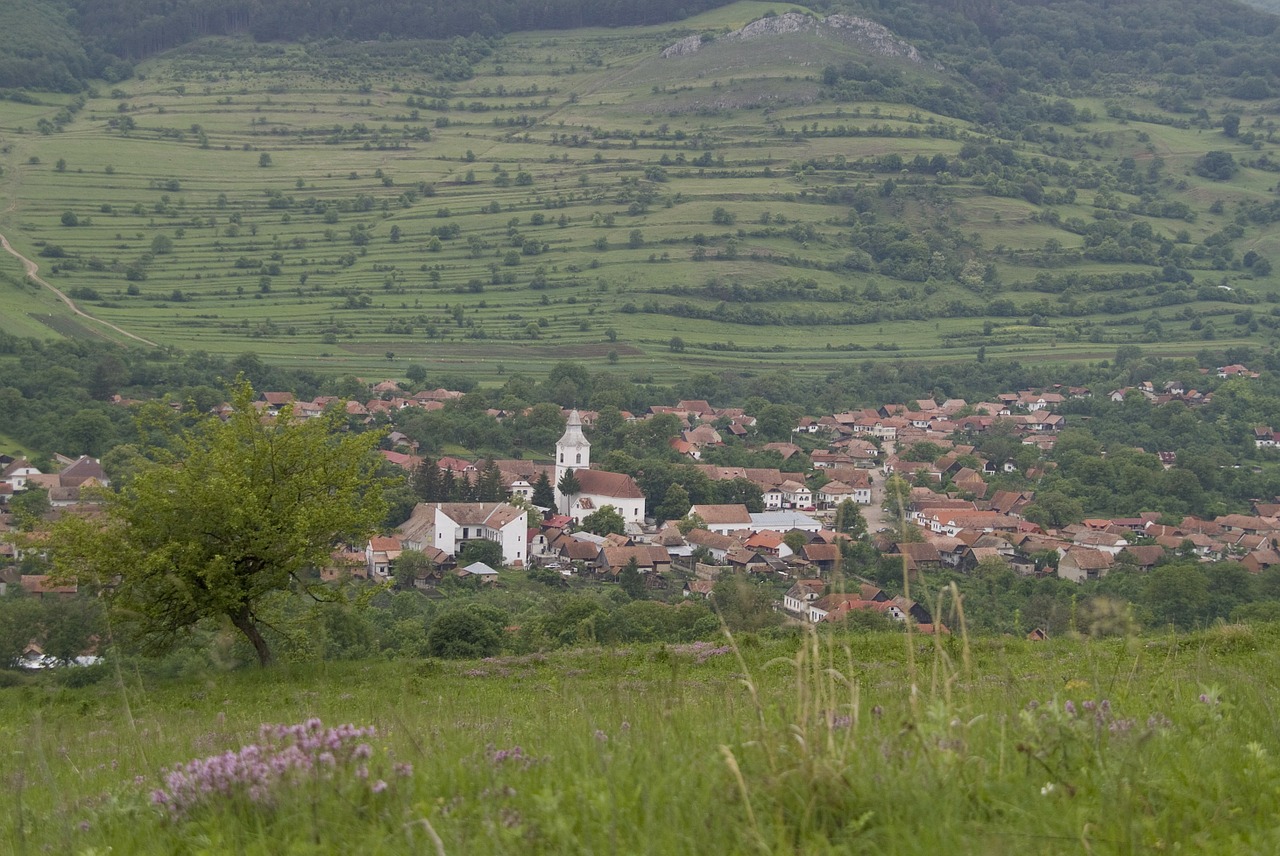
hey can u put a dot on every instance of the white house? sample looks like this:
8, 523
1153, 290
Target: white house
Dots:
723, 519
448, 526
800, 595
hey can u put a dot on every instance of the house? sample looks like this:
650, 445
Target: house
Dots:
1079, 564
824, 557
16, 473
649, 558
40, 586
722, 518
449, 525
478, 569
699, 588
833, 493
795, 495
380, 554
800, 595
1144, 558
718, 545
836, 607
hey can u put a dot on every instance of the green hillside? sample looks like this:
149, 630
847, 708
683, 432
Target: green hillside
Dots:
751, 187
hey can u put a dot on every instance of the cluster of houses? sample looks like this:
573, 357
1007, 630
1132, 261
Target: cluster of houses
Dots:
954, 517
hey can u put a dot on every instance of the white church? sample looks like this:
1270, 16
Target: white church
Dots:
596, 487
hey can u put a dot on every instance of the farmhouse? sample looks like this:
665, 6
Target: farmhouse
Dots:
449, 525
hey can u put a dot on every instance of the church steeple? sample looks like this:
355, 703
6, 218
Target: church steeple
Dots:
573, 452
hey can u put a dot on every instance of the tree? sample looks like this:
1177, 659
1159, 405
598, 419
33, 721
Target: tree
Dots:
264, 160
463, 634
605, 521
1216, 165
241, 512
630, 580
569, 485
675, 503
849, 519
480, 550
1231, 125
29, 506
1177, 594
543, 494
410, 566
795, 541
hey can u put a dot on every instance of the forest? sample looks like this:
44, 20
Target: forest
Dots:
1003, 47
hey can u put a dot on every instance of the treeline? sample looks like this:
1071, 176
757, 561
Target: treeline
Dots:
138, 28
1006, 46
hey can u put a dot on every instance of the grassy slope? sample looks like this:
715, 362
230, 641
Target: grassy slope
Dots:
741, 102
624, 752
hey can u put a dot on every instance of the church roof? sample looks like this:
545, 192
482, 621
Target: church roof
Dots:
601, 483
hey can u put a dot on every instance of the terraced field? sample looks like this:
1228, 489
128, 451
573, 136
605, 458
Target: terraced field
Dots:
582, 197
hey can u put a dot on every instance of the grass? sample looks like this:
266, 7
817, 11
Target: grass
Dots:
265, 258
849, 744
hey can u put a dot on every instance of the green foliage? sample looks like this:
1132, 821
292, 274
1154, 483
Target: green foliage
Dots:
235, 512
1217, 165
606, 520
29, 507
480, 550
463, 634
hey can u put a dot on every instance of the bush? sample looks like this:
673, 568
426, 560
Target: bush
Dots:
462, 634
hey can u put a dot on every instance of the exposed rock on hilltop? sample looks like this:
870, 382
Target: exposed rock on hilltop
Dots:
868, 35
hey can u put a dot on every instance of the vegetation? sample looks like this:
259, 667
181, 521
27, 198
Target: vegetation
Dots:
853, 743
576, 195
218, 528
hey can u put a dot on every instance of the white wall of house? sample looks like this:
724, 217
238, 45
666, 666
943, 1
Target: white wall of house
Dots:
450, 536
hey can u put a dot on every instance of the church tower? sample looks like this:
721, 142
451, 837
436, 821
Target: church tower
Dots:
573, 452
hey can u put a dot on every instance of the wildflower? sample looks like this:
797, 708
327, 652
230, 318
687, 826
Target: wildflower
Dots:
403, 769
877, 711
362, 772
601, 736
1047, 789
83, 826
1070, 708
842, 721
626, 726
378, 786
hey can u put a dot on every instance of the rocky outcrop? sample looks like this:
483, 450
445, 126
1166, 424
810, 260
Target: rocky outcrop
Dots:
868, 35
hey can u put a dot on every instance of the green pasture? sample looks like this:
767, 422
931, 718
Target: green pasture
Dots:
857, 743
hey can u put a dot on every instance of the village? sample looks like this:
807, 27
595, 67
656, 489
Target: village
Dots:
908, 480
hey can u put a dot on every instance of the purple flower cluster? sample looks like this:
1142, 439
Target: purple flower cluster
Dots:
701, 651
514, 756
1099, 711
284, 754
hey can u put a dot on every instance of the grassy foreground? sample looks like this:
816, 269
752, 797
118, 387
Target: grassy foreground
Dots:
859, 744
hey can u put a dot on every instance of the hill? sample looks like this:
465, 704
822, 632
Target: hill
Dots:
754, 186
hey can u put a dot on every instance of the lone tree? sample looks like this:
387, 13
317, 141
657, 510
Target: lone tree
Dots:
239, 512
569, 487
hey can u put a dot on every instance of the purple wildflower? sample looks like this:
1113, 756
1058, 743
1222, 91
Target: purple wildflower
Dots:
378, 786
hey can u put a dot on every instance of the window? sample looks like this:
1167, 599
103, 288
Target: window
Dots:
579, 457
562, 457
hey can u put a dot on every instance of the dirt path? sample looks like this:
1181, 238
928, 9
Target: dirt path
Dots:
33, 271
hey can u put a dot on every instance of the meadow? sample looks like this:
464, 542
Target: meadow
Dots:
348, 208
858, 743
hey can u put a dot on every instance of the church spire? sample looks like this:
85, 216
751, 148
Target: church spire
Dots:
573, 452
